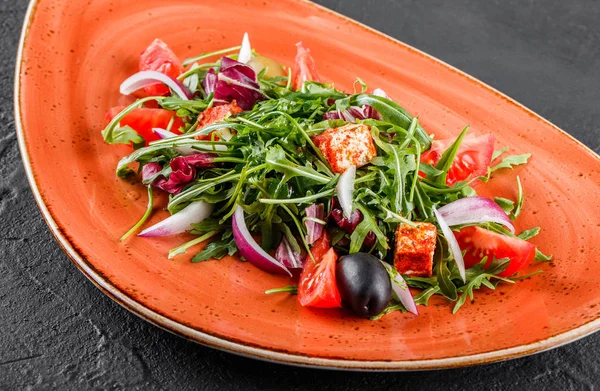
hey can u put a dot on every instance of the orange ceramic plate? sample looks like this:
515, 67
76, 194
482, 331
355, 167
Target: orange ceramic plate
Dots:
74, 55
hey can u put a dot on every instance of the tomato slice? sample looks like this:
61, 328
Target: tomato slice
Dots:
142, 120
320, 247
479, 242
304, 67
318, 286
472, 160
159, 57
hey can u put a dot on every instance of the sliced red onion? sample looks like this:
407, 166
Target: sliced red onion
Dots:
148, 78
286, 255
185, 149
245, 51
345, 190
400, 289
181, 221
472, 210
250, 250
381, 93
452, 243
353, 113
314, 229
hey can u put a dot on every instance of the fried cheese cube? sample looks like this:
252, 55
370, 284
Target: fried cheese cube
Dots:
348, 145
414, 250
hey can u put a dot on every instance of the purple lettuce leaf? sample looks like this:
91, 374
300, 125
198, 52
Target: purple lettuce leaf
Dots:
350, 224
183, 171
235, 81
150, 172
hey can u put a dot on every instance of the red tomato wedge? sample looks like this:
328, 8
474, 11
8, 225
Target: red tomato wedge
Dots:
472, 160
318, 286
159, 57
142, 120
304, 67
321, 246
479, 242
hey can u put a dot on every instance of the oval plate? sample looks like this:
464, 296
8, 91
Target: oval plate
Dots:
73, 56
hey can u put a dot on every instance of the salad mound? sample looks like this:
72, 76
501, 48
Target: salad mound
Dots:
345, 193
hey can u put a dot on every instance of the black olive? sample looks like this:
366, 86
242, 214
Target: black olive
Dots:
364, 284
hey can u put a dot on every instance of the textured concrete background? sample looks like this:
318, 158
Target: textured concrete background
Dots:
58, 331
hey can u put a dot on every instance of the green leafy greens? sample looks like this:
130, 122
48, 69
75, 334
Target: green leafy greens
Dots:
271, 167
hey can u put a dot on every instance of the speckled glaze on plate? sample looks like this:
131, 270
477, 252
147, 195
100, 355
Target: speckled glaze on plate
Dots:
72, 58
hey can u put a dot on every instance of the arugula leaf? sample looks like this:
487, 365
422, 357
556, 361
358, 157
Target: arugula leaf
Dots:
291, 289
423, 202
540, 256
184, 247
499, 153
277, 161
447, 287
313, 89
520, 197
125, 135
421, 282
511, 161
390, 308
422, 298
448, 156
207, 225
429, 170
478, 276
144, 217
217, 249
363, 85
526, 276
530, 233
506, 204
368, 224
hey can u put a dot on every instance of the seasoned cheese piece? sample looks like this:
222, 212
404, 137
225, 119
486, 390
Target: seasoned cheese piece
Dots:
414, 250
348, 145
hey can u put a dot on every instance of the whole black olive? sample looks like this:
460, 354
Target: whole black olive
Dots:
364, 284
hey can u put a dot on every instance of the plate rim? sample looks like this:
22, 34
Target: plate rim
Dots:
264, 354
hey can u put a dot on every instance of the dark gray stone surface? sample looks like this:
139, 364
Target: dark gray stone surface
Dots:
57, 331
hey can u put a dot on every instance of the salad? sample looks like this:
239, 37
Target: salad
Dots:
343, 192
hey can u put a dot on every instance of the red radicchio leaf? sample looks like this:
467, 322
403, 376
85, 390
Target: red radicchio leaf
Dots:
314, 230
238, 71
353, 113
351, 223
183, 171
235, 81
149, 171
369, 239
